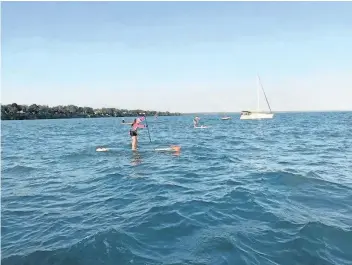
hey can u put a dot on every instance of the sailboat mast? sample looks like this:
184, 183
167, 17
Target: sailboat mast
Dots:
264, 93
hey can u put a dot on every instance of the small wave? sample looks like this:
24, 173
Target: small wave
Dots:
231, 182
19, 169
117, 246
294, 178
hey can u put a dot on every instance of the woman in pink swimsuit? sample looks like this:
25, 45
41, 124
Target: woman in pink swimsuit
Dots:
133, 132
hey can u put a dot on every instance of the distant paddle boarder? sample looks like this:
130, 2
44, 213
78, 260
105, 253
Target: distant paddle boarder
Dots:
196, 121
133, 131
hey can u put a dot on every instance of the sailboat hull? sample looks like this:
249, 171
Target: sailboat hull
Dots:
256, 116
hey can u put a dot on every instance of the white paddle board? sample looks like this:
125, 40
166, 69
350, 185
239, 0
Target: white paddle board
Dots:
166, 149
102, 149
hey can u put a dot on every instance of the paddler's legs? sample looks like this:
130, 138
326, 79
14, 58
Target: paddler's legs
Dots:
134, 142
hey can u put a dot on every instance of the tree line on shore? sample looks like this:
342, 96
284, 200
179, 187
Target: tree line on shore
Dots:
32, 112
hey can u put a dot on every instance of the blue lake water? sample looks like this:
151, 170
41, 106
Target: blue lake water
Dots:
240, 192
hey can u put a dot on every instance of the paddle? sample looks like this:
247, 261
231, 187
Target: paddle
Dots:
145, 117
175, 148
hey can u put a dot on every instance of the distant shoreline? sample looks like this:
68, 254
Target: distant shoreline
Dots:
15, 111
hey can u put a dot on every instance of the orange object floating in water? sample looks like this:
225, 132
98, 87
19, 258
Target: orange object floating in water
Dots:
176, 148
172, 148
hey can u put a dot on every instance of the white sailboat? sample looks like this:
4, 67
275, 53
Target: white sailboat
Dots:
257, 114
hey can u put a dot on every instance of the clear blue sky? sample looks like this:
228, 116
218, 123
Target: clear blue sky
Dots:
178, 56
